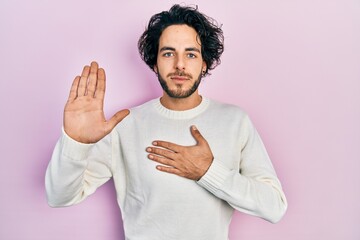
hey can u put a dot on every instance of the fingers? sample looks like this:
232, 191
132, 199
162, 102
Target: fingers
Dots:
86, 84
74, 88
162, 160
197, 135
171, 170
101, 84
93, 76
164, 157
168, 145
118, 117
83, 81
155, 152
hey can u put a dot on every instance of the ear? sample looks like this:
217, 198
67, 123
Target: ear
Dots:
155, 69
204, 68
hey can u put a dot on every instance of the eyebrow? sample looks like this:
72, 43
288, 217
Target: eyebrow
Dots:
191, 49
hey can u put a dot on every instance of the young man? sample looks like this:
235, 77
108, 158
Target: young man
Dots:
181, 163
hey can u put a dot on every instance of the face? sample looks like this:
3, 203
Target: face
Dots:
179, 61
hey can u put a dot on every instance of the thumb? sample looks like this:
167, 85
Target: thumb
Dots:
118, 117
197, 135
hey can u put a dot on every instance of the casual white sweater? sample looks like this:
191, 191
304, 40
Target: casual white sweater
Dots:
157, 205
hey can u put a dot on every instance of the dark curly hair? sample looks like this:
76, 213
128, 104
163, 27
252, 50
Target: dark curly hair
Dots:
211, 35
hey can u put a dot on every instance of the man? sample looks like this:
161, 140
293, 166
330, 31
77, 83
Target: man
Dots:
181, 163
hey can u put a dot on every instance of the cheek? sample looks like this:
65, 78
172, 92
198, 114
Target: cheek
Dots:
164, 65
197, 66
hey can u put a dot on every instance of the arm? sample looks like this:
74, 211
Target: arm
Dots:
255, 188
76, 170
81, 160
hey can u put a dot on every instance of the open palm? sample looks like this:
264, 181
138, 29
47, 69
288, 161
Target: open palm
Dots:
84, 118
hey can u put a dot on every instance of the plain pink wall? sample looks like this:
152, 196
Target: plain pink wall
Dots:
294, 66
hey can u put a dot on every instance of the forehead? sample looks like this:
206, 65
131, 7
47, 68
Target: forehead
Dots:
179, 36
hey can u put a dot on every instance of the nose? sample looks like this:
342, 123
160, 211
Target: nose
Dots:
179, 63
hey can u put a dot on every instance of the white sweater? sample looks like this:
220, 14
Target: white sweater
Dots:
156, 205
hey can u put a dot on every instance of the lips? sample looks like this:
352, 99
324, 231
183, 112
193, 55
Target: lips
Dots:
179, 78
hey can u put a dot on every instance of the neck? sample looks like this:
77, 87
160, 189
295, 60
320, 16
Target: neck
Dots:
181, 104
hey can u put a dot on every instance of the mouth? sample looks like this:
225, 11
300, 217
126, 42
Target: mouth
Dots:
179, 78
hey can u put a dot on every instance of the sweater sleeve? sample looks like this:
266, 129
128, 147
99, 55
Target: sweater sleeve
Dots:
76, 170
253, 188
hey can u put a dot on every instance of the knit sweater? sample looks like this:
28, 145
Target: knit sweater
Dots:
156, 205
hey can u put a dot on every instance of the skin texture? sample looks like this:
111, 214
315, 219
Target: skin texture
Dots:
84, 119
190, 162
180, 65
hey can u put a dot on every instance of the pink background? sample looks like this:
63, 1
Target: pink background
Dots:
294, 66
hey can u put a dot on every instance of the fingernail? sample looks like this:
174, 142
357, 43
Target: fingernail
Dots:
154, 143
148, 149
194, 128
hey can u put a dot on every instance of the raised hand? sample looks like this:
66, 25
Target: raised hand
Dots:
84, 119
190, 162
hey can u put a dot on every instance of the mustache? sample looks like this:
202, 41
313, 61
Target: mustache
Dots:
180, 73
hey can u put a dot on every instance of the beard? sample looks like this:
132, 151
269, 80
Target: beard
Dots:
179, 92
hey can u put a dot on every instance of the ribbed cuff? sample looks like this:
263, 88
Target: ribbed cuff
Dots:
214, 177
73, 149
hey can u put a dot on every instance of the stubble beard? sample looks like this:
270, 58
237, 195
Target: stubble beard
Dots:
179, 92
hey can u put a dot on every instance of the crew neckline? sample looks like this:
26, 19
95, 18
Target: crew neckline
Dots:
185, 114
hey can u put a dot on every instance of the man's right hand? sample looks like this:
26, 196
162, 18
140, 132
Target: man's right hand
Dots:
84, 119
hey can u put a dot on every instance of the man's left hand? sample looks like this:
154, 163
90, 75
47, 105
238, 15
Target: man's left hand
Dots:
190, 162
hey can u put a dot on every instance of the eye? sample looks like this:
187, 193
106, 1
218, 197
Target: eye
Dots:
191, 55
168, 54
